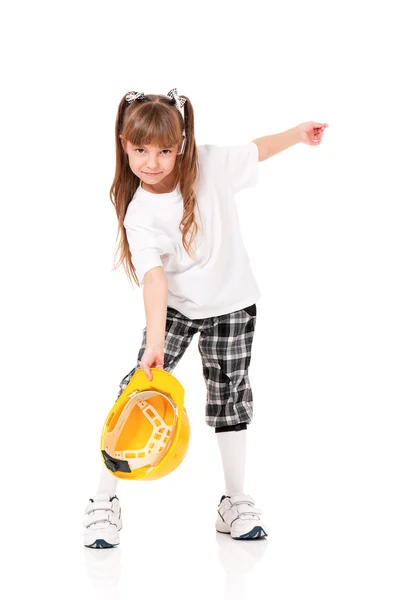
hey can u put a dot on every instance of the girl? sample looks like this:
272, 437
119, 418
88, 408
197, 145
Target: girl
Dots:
179, 238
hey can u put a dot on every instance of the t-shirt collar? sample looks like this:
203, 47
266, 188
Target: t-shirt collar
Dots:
163, 196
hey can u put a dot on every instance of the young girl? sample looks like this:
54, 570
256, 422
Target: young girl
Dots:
179, 238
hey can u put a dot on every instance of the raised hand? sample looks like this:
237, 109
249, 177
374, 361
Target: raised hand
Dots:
311, 133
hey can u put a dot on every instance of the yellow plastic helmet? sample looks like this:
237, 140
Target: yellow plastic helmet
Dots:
146, 433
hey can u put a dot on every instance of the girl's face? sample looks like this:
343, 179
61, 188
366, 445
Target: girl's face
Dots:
151, 163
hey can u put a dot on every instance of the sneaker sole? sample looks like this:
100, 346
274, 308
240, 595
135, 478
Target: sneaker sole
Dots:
257, 533
101, 544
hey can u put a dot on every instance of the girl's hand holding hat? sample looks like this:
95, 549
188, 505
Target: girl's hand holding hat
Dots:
153, 357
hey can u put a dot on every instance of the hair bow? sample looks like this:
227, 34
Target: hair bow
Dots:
131, 96
173, 94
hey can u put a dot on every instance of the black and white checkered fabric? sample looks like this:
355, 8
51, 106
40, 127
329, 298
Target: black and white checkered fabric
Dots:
173, 94
225, 344
132, 96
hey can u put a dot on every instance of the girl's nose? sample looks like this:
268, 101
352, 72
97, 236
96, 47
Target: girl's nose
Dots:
152, 163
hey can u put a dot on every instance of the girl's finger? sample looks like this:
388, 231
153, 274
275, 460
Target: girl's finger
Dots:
148, 373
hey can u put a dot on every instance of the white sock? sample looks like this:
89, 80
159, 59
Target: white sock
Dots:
107, 483
232, 446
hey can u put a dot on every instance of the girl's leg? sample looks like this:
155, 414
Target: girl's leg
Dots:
225, 345
107, 484
232, 445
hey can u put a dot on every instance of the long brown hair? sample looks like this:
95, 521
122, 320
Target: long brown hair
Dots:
154, 119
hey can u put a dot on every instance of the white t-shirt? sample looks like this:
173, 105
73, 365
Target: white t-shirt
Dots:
220, 279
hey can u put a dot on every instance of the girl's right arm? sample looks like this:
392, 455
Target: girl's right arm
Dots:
155, 303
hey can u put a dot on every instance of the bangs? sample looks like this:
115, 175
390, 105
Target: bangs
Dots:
153, 124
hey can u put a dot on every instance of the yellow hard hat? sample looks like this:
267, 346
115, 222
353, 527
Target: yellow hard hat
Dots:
146, 433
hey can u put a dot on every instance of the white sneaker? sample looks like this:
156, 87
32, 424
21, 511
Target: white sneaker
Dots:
103, 521
239, 516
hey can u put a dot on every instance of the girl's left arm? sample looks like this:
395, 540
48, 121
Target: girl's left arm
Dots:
309, 133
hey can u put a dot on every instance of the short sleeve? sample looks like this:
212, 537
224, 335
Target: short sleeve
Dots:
147, 245
239, 164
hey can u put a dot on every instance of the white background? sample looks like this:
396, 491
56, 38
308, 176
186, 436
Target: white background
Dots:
321, 231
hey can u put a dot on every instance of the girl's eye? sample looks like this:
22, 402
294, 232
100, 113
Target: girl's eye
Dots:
143, 150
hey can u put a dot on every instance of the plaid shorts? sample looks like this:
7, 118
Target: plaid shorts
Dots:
225, 344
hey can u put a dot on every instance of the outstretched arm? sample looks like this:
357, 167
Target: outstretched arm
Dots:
155, 302
309, 133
